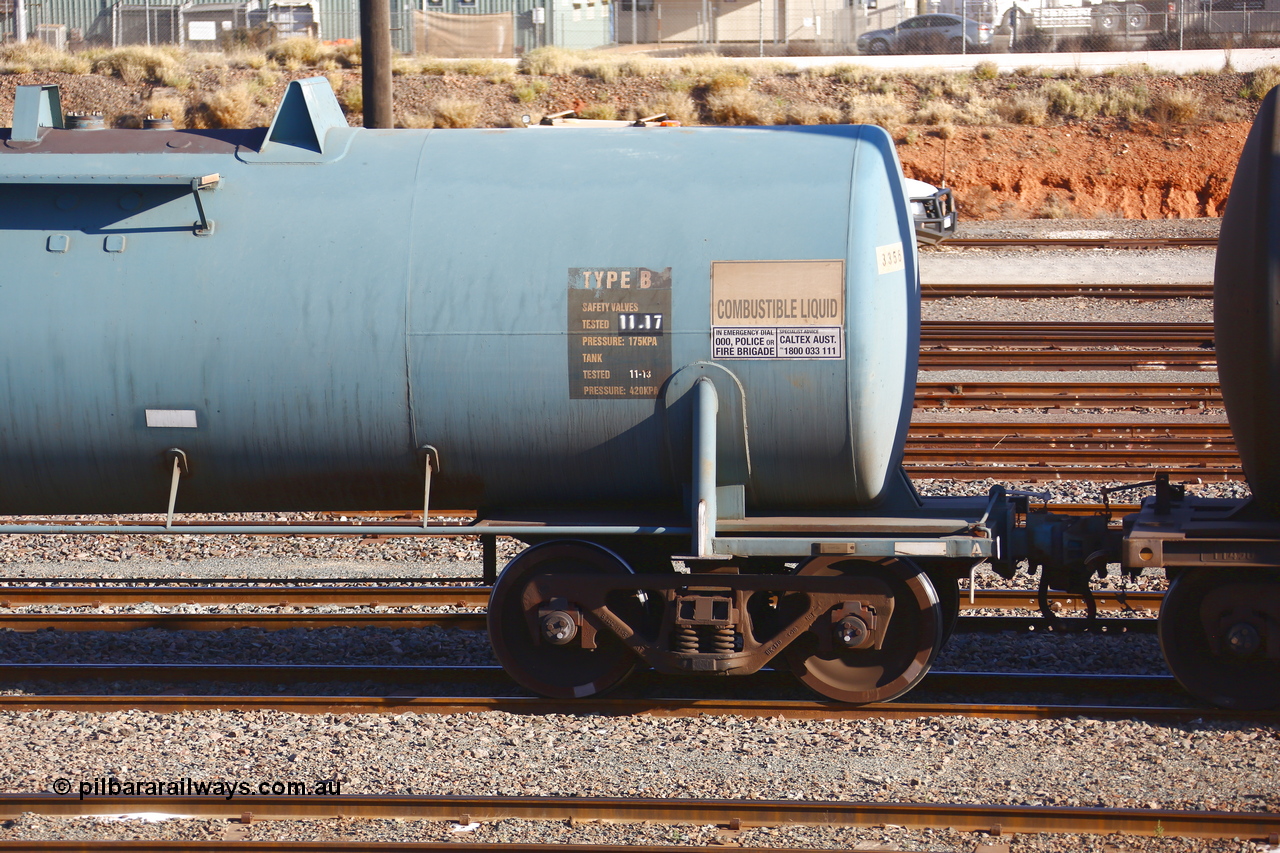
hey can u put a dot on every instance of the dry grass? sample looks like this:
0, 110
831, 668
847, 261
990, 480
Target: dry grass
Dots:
433, 66
741, 107
174, 108
138, 64
456, 112
1126, 102
1056, 207
1177, 106
882, 110
677, 106
1026, 108
805, 113
299, 53
986, 70
726, 81
351, 98
34, 56
599, 112
415, 121
973, 112
234, 106
1067, 101
1262, 81
528, 92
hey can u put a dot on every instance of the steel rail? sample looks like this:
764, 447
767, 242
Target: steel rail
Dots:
118, 622
1004, 334
1074, 432
1086, 395
1075, 359
408, 596
277, 596
208, 673
1080, 243
988, 818
124, 622
1042, 472
798, 709
238, 845
1144, 291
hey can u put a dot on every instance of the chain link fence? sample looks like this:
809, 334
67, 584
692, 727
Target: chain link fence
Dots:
728, 27
823, 27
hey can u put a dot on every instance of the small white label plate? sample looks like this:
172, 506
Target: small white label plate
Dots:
890, 258
179, 418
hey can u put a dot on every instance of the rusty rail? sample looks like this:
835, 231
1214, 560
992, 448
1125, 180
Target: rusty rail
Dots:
1004, 335
1067, 395
1080, 243
410, 596
1144, 291
798, 709
972, 818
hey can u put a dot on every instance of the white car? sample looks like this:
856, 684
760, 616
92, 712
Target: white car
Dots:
934, 211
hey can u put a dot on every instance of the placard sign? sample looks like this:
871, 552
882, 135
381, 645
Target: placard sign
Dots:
777, 309
619, 346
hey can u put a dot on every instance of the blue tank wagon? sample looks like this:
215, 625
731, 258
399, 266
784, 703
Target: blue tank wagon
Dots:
631, 350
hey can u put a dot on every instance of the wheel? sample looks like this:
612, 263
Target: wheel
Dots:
873, 675
878, 47
1218, 631
947, 589
956, 45
1106, 19
567, 671
1135, 17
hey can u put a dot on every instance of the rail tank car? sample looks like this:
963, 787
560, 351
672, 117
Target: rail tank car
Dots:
678, 363
346, 298
1220, 620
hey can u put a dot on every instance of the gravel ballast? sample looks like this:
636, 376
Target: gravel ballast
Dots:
1087, 762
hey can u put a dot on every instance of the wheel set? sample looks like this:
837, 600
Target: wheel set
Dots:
570, 619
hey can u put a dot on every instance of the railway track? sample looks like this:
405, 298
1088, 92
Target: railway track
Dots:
732, 814
411, 596
116, 622
1144, 291
1134, 450
172, 702
1081, 243
1007, 335
1067, 395
1067, 359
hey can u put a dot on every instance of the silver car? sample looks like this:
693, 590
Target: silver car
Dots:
936, 33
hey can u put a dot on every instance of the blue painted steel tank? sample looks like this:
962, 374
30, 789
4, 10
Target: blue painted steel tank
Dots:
1246, 305
529, 303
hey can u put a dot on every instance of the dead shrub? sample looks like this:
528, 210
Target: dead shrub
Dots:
1178, 106
32, 56
1056, 207
456, 112
138, 64
1067, 101
1262, 81
882, 110
1028, 109
677, 106
547, 62
986, 70
234, 106
168, 107
741, 107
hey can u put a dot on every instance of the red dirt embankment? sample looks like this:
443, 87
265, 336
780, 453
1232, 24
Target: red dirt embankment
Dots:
1138, 172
